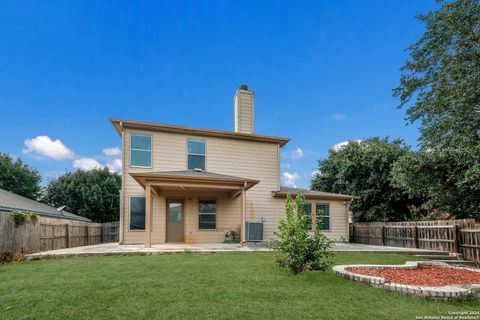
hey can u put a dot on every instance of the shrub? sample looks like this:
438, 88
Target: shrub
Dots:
298, 248
23, 217
230, 236
11, 256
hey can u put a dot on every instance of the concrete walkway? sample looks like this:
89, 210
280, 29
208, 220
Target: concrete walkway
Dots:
107, 249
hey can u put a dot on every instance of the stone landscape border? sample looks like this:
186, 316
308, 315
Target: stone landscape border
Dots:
438, 293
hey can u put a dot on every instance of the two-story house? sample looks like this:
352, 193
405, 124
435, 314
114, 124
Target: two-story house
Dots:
190, 185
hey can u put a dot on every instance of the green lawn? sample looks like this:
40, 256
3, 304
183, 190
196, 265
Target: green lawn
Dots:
200, 286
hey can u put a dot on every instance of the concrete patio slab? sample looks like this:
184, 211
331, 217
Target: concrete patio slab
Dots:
108, 249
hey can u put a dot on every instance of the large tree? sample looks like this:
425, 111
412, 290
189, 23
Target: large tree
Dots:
447, 178
94, 194
19, 178
440, 85
440, 88
364, 169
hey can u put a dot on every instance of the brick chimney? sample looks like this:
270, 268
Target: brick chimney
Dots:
244, 110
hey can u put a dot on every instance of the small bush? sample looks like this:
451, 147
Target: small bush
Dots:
230, 237
33, 217
297, 248
11, 256
21, 218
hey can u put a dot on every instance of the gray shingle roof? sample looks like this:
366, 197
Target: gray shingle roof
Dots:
193, 173
315, 193
12, 202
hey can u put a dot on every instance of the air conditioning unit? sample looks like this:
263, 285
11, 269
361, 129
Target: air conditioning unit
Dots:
254, 231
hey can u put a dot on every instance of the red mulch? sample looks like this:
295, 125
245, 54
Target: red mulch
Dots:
424, 275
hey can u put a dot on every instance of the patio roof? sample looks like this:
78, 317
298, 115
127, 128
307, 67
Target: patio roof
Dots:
192, 180
312, 194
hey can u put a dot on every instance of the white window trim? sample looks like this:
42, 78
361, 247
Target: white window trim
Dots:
151, 150
208, 213
197, 154
328, 216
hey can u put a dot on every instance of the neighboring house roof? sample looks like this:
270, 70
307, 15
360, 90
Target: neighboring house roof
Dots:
192, 179
311, 194
10, 201
118, 124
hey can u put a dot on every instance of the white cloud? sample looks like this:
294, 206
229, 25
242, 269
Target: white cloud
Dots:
47, 147
315, 173
297, 154
112, 152
290, 179
87, 164
338, 116
342, 144
115, 165
339, 146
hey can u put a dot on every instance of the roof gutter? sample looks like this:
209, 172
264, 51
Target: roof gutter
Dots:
41, 213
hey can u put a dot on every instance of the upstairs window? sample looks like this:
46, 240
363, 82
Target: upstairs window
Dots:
141, 150
207, 214
307, 210
323, 212
196, 154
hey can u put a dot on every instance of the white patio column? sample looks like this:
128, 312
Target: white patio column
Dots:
148, 216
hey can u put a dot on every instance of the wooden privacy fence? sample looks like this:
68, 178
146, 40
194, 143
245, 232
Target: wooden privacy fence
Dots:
455, 236
59, 236
469, 240
110, 231
50, 234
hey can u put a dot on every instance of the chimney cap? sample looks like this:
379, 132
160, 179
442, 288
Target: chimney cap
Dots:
243, 87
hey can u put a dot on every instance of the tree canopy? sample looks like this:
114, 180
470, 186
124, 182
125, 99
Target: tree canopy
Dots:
447, 178
364, 169
93, 194
440, 88
440, 83
19, 178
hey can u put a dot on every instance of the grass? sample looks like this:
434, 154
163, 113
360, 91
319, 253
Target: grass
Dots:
200, 286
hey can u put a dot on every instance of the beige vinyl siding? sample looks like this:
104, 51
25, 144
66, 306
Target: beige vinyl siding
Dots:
242, 158
338, 218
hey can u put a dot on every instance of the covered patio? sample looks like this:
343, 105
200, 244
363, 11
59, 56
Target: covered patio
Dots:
109, 249
174, 188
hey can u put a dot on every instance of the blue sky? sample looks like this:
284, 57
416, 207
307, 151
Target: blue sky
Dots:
322, 72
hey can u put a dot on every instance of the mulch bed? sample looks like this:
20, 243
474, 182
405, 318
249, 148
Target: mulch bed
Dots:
423, 275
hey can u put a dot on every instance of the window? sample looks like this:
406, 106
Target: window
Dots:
137, 213
196, 154
307, 209
207, 214
323, 214
141, 150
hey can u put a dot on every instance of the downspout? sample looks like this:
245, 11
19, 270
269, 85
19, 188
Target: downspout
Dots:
122, 190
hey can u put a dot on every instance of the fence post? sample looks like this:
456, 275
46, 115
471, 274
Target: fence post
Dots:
67, 236
383, 235
88, 236
415, 236
455, 238
101, 233
353, 233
